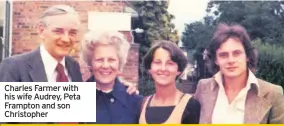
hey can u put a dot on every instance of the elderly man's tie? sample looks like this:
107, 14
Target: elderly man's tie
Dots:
61, 77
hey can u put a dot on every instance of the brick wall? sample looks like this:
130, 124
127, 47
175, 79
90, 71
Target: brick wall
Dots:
25, 37
131, 67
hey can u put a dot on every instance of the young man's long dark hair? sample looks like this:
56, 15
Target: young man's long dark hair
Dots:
224, 32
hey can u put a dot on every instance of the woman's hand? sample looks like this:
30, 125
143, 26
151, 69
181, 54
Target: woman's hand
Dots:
131, 87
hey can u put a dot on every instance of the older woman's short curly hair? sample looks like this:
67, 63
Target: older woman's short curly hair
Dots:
94, 38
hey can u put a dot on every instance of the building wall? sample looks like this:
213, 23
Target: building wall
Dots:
25, 36
2, 11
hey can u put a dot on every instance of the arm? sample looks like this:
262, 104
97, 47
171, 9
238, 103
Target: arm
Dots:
8, 71
138, 99
131, 87
192, 112
197, 91
277, 110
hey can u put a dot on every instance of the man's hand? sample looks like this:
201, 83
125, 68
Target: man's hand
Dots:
132, 88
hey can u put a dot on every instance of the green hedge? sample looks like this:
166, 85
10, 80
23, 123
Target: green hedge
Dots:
270, 65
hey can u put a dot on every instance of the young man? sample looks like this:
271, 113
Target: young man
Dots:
234, 95
58, 30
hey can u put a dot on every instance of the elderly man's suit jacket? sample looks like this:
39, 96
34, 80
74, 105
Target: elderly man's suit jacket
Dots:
28, 67
263, 105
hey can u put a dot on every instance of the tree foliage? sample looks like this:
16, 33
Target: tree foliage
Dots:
270, 62
264, 20
196, 36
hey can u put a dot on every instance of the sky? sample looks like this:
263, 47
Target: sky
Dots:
187, 11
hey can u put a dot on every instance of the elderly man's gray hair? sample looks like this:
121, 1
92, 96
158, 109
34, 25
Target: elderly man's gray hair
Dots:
94, 38
57, 10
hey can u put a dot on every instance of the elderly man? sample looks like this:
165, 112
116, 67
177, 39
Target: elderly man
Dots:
58, 30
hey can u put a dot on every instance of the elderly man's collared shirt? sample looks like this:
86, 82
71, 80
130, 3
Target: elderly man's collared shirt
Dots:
233, 113
117, 106
50, 64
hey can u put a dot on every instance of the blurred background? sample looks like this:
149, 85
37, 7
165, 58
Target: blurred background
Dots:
188, 23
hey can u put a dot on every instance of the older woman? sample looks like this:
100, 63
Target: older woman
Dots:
106, 54
165, 62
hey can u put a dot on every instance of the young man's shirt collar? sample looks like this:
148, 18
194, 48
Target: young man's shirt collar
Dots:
251, 80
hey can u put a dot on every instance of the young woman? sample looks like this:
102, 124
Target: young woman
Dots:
165, 62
